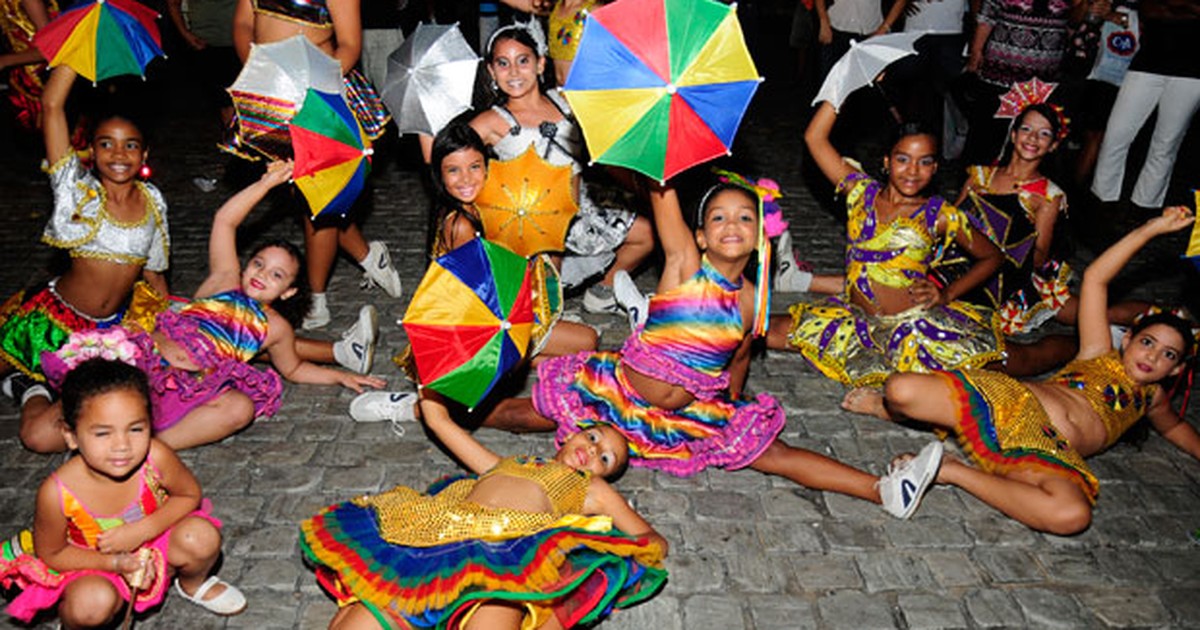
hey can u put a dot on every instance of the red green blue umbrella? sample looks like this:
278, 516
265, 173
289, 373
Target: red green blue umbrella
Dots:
470, 320
661, 85
332, 153
102, 39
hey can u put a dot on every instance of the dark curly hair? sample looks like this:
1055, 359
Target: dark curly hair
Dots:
100, 376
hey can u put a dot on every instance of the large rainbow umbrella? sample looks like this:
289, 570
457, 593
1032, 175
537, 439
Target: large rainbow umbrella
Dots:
661, 85
470, 320
332, 153
102, 39
526, 204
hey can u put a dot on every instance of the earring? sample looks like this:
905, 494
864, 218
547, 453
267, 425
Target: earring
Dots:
495, 86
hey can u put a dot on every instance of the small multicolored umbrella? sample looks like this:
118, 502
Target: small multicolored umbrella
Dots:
661, 85
333, 154
272, 86
430, 78
102, 39
470, 320
526, 204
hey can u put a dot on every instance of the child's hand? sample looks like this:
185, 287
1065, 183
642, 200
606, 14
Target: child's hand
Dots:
277, 173
1173, 219
357, 382
925, 293
120, 538
136, 568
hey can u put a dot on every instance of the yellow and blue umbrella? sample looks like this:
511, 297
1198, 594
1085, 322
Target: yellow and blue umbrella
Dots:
661, 85
102, 39
332, 153
470, 320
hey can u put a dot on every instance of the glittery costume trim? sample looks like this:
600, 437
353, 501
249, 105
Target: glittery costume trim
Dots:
1116, 399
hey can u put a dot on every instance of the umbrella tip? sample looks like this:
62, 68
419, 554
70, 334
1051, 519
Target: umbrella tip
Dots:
671, 89
368, 151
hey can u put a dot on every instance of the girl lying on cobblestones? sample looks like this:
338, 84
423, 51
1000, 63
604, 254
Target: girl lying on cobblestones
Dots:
202, 386
529, 543
1028, 440
675, 388
118, 519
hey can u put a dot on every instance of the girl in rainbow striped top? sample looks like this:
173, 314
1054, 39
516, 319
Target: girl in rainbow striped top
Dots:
675, 388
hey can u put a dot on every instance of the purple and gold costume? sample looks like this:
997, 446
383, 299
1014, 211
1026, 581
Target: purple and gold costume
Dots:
849, 345
1004, 427
689, 338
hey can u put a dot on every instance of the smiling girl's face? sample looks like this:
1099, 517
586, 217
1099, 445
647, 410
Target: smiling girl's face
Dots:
515, 67
119, 150
730, 229
911, 164
270, 274
463, 173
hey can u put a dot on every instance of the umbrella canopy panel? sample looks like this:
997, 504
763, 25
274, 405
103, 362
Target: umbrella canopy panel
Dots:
332, 154
430, 79
102, 39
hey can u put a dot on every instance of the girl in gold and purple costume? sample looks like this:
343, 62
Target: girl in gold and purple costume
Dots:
1028, 440
887, 315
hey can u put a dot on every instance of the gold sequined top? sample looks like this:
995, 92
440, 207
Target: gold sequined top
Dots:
407, 517
1118, 401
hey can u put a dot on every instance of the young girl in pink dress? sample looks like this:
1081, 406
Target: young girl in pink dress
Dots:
120, 518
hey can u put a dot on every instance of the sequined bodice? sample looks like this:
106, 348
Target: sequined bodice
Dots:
1116, 399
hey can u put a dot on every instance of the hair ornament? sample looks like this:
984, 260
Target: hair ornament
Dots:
110, 344
1032, 92
1179, 312
532, 26
768, 191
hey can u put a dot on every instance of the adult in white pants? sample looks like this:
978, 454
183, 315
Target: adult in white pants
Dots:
1177, 99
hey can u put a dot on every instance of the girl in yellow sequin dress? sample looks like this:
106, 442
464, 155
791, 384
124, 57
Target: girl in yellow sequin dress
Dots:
1028, 440
529, 543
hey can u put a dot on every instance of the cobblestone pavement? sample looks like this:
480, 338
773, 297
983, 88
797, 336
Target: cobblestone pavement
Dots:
748, 551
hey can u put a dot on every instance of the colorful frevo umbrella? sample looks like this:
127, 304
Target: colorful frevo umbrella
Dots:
332, 153
102, 39
661, 85
470, 320
526, 204
1193, 249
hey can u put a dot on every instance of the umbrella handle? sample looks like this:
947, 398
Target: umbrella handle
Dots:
890, 106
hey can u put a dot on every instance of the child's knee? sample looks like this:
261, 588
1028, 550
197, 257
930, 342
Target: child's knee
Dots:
89, 602
196, 538
901, 390
1069, 517
237, 411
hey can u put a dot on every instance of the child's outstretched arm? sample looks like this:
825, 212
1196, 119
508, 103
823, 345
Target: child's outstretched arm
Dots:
475, 456
183, 497
55, 131
1094, 337
603, 499
821, 149
681, 256
224, 268
1168, 423
281, 348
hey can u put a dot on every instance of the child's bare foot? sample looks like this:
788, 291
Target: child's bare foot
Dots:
867, 401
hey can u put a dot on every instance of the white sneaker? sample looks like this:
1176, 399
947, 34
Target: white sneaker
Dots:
790, 276
599, 299
318, 313
902, 487
628, 297
381, 406
378, 269
356, 350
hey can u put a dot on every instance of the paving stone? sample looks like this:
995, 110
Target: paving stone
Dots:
998, 531
316, 614
702, 572
891, 570
775, 612
993, 609
1008, 565
1124, 567
713, 612
754, 571
1070, 568
724, 506
931, 611
1045, 608
927, 532
851, 536
777, 537
851, 609
1184, 607
1177, 566
267, 610
275, 574
664, 612
826, 572
791, 504
952, 569
1125, 609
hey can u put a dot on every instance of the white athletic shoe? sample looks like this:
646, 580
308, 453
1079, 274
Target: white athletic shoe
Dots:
599, 299
356, 350
318, 313
381, 406
903, 486
636, 305
378, 269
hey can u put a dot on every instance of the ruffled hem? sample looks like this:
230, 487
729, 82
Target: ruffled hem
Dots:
636, 356
175, 391
712, 432
576, 574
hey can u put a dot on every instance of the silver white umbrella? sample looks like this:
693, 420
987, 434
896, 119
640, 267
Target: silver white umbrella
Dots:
862, 64
430, 79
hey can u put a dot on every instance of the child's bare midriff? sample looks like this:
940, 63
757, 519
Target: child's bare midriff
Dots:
1072, 416
97, 287
510, 493
888, 300
271, 29
656, 392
